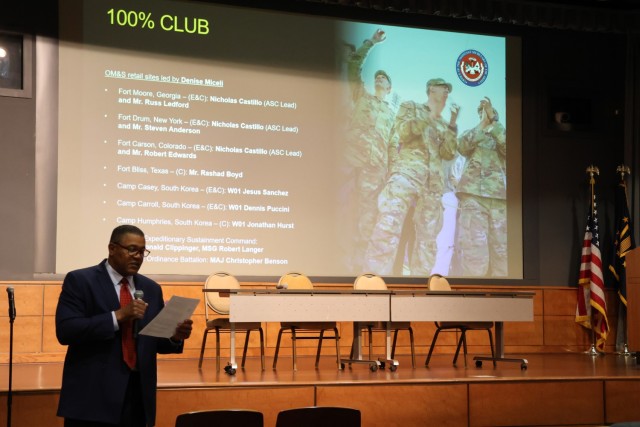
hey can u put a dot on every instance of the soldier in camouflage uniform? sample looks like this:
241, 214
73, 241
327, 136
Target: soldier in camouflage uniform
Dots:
481, 241
366, 151
422, 138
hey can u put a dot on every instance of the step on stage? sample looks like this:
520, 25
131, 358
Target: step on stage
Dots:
555, 390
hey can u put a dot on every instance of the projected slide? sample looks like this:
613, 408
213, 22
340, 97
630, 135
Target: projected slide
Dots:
258, 142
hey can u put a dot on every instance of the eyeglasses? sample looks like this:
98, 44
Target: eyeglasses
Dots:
133, 251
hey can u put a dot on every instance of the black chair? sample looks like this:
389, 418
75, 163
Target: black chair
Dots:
221, 418
319, 416
439, 283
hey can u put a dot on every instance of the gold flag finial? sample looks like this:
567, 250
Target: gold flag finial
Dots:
623, 170
592, 170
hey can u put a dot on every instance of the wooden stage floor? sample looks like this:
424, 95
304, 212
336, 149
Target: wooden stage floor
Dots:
555, 389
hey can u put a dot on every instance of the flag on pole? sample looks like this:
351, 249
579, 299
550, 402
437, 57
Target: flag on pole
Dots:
624, 241
591, 309
622, 244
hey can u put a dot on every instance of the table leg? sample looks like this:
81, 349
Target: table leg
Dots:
393, 364
232, 366
357, 341
499, 357
357, 350
500, 339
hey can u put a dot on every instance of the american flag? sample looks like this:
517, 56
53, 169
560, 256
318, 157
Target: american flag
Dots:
591, 283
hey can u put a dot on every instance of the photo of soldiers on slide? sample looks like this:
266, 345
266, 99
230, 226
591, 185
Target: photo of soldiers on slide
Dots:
366, 156
422, 140
481, 232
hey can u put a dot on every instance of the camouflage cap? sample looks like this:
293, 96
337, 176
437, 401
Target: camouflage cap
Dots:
439, 82
382, 73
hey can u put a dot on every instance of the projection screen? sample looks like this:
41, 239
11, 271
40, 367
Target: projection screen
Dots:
249, 140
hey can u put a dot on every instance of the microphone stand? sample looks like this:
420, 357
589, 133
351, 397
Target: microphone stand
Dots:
10, 394
12, 317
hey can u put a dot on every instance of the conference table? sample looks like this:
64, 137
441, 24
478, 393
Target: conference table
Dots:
304, 305
466, 306
363, 306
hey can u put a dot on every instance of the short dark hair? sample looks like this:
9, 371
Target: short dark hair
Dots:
121, 230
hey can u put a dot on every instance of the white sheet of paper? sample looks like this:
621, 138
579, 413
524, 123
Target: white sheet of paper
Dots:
174, 312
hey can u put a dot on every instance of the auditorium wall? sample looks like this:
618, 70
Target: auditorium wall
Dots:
557, 64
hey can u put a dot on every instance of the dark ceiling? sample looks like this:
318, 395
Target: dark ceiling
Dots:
619, 5
619, 16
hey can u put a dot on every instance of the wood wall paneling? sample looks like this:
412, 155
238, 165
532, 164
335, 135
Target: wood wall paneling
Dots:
536, 403
622, 397
553, 329
403, 405
269, 401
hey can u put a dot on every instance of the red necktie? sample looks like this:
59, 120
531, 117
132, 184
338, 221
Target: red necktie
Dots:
126, 328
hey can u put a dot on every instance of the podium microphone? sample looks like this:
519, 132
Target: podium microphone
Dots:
138, 294
12, 304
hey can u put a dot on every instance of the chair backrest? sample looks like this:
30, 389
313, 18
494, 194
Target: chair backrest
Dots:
370, 282
438, 283
295, 280
221, 418
219, 280
319, 416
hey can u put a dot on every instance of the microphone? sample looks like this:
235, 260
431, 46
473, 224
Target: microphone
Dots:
137, 294
282, 286
12, 304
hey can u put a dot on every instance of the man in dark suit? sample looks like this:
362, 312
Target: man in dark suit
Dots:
96, 321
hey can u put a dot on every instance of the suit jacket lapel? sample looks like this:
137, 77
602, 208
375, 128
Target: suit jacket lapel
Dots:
105, 286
